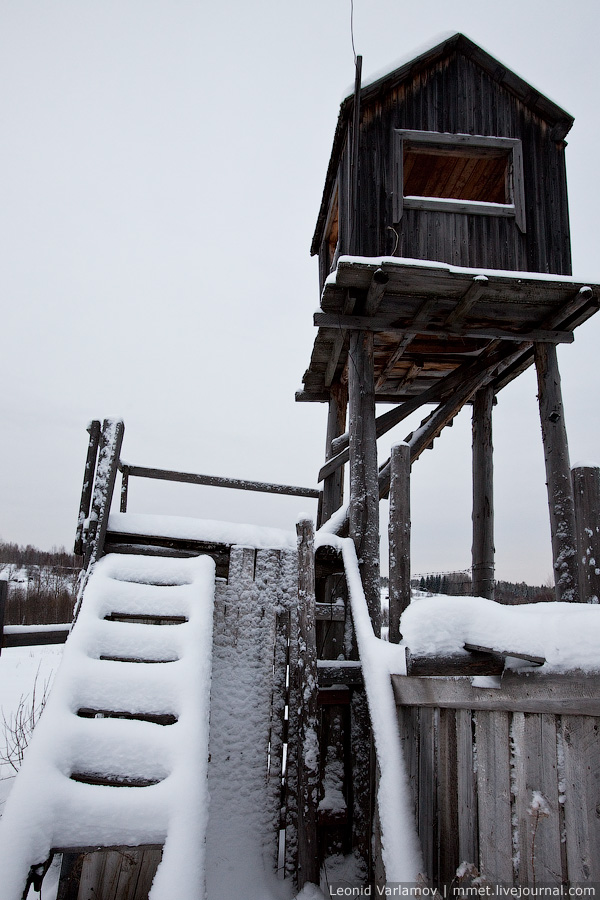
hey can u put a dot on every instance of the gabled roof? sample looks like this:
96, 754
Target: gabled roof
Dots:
559, 120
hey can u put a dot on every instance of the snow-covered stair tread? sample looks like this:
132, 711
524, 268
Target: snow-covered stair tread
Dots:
152, 769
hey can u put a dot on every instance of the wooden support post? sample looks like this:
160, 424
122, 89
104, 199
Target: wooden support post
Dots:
586, 495
308, 762
93, 430
558, 473
3, 596
124, 488
399, 537
364, 486
333, 485
106, 474
482, 553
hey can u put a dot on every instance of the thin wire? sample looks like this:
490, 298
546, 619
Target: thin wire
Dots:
352, 29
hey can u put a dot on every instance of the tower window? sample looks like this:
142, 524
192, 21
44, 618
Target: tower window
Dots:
459, 173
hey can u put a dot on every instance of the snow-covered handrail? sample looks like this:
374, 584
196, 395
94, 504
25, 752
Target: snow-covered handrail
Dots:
400, 847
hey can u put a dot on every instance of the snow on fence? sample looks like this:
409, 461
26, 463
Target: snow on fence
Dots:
504, 779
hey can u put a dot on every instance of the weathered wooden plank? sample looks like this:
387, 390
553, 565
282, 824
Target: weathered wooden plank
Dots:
533, 692
558, 474
399, 538
344, 672
447, 797
586, 496
537, 807
466, 786
109, 452
494, 796
581, 745
333, 487
473, 663
468, 299
217, 481
124, 487
390, 325
93, 430
483, 495
427, 810
33, 638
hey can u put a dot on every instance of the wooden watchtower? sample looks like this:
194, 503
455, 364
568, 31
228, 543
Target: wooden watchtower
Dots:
445, 271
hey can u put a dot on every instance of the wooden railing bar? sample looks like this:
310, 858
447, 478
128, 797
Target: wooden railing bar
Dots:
218, 481
88, 484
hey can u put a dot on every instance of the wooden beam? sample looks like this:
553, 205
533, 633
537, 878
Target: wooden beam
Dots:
364, 494
340, 340
558, 474
376, 291
389, 324
420, 319
217, 481
575, 694
482, 552
109, 453
586, 496
399, 538
469, 298
339, 672
32, 638
93, 430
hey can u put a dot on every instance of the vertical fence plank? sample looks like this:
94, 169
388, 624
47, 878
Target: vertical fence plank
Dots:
586, 494
427, 818
447, 797
494, 795
468, 843
537, 819
582, 797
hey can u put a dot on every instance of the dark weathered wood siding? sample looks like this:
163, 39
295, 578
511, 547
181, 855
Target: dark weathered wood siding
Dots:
454, 95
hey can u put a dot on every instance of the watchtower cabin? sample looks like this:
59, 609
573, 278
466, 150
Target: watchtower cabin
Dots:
446, 187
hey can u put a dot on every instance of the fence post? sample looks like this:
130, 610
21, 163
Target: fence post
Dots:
93, 430
3, 596
106, 474
586, 494
399, 537
308, 744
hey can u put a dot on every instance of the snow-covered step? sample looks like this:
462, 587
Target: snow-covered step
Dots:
119, 757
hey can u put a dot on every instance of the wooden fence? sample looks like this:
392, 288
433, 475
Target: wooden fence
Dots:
506, 779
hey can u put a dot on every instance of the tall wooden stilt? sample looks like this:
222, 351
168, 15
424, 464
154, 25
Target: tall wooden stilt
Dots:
586, 494
399, 537
333, 485
364, 487
483, 496
558, 473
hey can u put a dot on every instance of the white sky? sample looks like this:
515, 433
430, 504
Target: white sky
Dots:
163, 162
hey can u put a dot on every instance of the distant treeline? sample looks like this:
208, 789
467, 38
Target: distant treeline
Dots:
509, 592
31, 556
42, 584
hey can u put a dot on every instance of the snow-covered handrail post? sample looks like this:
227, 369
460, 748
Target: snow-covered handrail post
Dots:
586, 495
3, 596
93, 430
104, 485
399, 537
483, 495
308, 762
558, 473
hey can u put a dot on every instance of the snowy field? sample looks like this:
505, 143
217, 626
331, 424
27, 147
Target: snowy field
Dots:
22, 670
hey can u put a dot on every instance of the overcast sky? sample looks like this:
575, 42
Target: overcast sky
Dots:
162, 168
